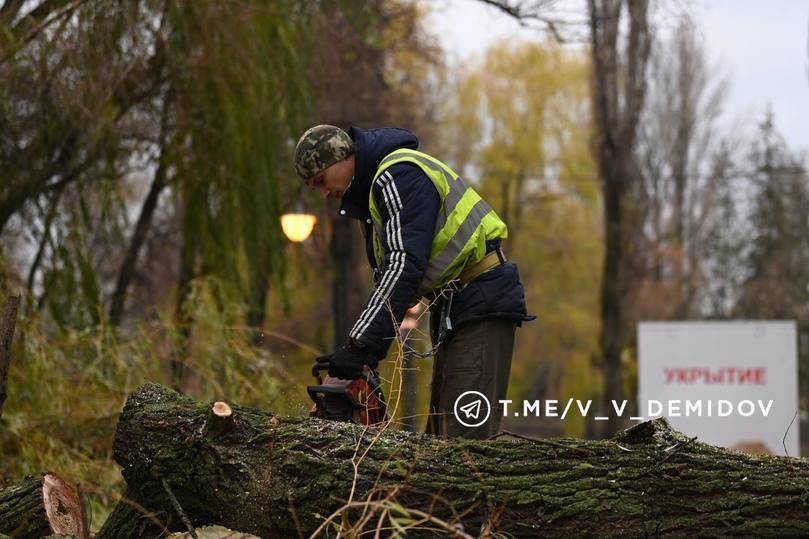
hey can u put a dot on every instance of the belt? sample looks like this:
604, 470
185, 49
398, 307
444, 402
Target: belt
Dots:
490, 261
494, 257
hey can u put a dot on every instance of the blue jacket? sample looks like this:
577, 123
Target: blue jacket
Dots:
410, 208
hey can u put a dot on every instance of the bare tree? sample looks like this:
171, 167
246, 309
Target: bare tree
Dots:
528, 12
620, 55
619, 90
546, 15
677, 138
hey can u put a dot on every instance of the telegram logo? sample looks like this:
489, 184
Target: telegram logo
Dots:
472, 408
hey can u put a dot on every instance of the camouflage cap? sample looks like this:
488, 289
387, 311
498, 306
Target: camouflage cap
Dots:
319, 148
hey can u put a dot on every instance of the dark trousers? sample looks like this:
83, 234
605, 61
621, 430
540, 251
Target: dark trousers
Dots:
477, 357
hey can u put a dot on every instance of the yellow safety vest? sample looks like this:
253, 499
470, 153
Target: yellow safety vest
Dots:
465, 221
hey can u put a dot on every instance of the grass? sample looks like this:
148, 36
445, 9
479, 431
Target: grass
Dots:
66, 387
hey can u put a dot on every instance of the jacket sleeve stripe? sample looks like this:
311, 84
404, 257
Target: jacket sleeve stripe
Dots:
393, 233
396, 264
398, 212
380, 297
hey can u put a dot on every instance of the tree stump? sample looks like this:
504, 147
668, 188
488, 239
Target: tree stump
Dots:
282, 476
40, 506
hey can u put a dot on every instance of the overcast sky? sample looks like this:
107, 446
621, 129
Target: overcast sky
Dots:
763, 44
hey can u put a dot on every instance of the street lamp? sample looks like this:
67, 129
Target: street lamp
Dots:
298, 226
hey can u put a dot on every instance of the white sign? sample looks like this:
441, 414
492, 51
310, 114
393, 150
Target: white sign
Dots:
728, 383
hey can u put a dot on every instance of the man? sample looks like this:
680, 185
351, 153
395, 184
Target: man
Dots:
428, 234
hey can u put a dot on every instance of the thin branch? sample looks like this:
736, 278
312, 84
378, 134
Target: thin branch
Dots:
9, 11
45, 18
45, 240
522, 14
179, 509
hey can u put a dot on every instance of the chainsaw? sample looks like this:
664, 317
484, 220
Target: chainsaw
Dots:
359, 401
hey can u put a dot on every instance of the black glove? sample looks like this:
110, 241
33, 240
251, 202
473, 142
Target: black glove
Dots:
347, 361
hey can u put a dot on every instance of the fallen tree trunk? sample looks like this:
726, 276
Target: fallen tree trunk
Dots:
281, 477
40, 506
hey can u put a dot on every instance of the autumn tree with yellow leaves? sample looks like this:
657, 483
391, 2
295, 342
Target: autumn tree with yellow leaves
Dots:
520, 127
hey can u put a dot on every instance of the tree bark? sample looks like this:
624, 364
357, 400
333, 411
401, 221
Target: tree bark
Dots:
40, 506
7, 324
281, 476
131, 519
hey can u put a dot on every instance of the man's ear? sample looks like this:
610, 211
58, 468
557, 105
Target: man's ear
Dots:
351, 169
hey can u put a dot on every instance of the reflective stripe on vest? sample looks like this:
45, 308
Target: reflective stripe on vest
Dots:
465, 221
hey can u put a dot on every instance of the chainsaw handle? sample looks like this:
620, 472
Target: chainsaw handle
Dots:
324, 365
319, 366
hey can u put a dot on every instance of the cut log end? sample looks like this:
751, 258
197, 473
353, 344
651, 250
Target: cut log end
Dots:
220, 419
62, 507
36, 506
221, 409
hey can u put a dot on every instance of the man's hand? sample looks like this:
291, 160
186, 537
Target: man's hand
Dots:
347, 361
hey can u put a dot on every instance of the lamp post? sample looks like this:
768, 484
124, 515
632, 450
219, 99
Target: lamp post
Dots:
297, 227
